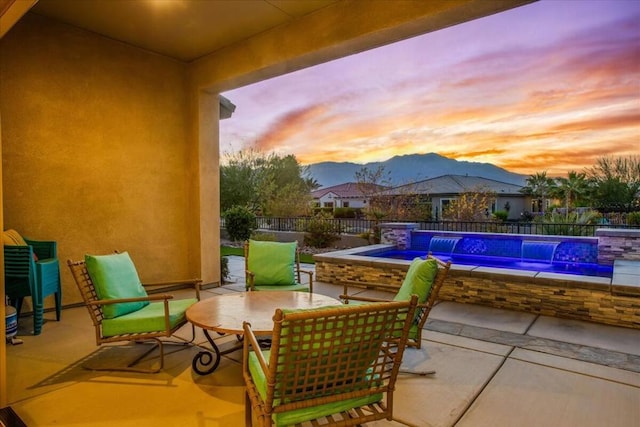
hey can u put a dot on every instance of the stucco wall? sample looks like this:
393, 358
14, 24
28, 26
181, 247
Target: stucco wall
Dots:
94, 143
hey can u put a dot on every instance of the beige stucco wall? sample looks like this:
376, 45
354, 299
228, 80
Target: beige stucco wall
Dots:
95, 151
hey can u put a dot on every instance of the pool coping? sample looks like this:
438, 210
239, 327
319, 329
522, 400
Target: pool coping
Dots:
614, 301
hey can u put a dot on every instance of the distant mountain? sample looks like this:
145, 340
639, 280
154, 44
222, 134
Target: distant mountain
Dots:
412, 168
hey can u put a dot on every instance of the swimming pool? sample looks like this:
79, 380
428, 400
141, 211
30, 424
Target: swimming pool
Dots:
527, 264
545, 286
554, 254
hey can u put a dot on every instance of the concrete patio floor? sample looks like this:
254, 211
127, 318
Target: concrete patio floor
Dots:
493, 368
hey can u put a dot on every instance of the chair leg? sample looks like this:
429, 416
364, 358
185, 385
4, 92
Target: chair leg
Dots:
18, 302
58, 296
247, 410
38, 316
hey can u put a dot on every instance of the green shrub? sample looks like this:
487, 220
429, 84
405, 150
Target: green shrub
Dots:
264, 237
239, 222
318, 210
501, 215
224, 269
344, 213
633, 218
320, 233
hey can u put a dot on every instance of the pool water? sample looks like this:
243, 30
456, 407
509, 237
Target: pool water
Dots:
577, 268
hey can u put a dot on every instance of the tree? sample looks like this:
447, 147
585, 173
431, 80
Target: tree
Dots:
284, 189
240, 176
572, 189
617, 183
540, 187
269, 184
472, 205
369, 182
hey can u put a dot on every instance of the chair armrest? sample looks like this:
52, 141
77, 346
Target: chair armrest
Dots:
392, 289
310, 273
250, 340
159, 297
347, 298
195, 283
175, 282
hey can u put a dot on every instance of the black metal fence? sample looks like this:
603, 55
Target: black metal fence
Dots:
359, 226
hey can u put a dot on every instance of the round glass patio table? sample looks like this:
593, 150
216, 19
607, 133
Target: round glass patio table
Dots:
225, 314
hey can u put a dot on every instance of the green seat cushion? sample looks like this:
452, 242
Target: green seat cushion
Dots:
304, 414
418, 280
148, 319
296, 287
115, 276
272, 263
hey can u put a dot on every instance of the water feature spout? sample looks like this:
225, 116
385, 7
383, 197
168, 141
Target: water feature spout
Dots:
538, 250
443, 245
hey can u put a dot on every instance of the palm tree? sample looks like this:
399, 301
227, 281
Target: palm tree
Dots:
572, 188
540, 187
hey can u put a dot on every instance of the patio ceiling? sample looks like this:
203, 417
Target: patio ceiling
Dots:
185, 30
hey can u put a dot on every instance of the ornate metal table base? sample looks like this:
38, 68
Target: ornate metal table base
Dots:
206, 361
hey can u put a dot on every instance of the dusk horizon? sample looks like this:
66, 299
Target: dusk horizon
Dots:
551, 86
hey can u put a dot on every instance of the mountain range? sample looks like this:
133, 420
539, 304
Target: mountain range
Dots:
411, 168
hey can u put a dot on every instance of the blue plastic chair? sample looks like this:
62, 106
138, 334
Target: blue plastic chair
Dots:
37, 277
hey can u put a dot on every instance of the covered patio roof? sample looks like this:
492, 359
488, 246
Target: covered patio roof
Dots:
109, 112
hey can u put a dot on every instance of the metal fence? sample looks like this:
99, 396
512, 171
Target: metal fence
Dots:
359, 226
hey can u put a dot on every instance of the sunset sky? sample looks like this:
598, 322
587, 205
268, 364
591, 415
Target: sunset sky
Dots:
550, 86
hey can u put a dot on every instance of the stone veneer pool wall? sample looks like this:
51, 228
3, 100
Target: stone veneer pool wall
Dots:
597, 299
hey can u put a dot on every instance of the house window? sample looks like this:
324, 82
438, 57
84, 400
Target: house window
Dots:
345, 204
328, 204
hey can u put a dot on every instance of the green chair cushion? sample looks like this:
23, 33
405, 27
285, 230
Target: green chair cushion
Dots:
272, 262
300, 415
418, 280
115, 276
147, 319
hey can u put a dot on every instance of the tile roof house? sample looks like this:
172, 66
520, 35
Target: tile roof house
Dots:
441, 190
347, 195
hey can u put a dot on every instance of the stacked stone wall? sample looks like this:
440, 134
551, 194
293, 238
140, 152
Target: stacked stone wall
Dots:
545, 296
616, 244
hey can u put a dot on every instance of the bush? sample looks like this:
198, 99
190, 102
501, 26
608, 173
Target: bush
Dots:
526, 216
344, 213
318, 210
501, 215
633, 218
224, 269
264, 237
320, 233
239, 222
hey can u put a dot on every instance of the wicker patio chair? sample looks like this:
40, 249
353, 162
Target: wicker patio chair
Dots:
147, 317
419, 280
274, 266
329, 366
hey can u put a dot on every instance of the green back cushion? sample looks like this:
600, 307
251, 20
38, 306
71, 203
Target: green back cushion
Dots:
303, 414
418, 280
115, 276
272, 262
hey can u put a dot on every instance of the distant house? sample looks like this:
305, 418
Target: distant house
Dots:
347, 195
442, 190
